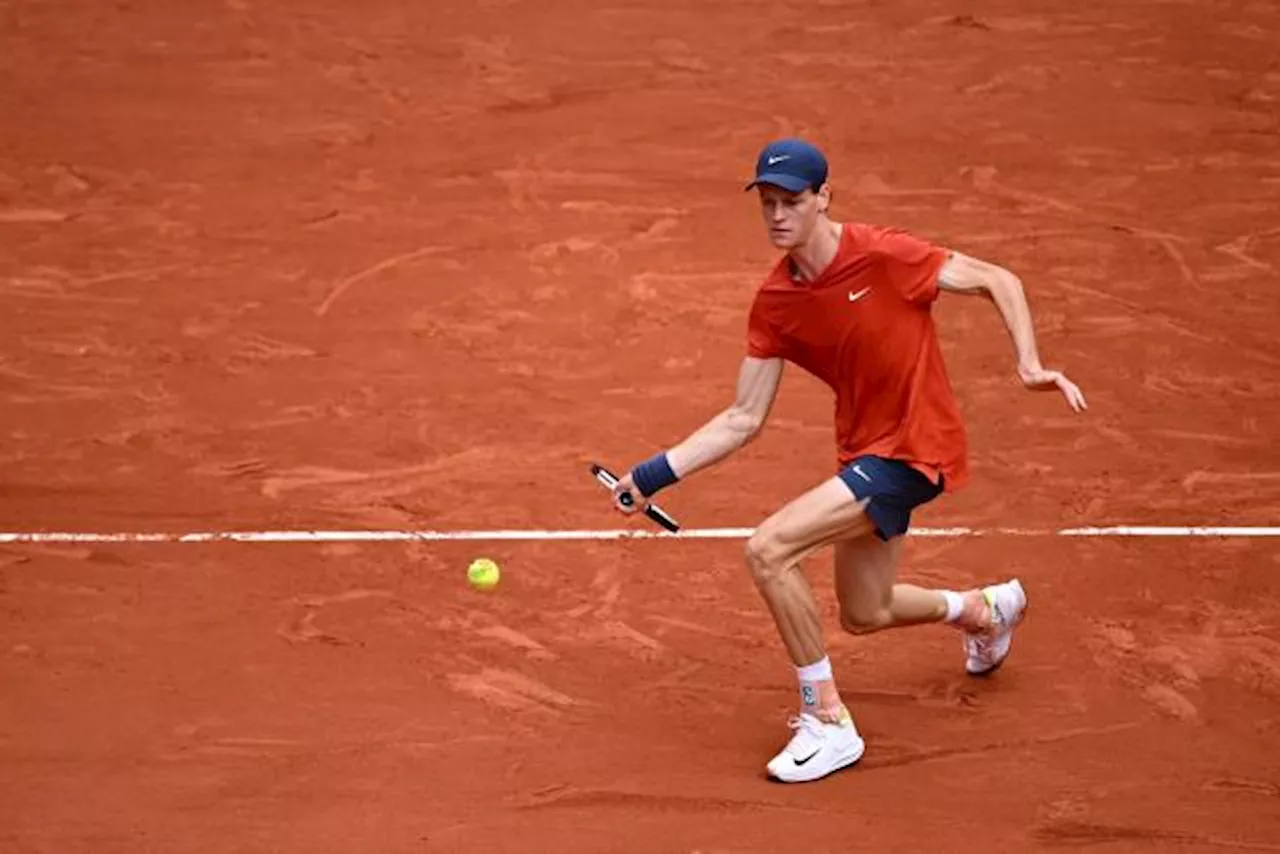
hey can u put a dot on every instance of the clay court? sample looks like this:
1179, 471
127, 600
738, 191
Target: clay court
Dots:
384, 266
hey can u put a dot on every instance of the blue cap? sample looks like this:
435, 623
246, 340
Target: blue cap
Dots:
791, 164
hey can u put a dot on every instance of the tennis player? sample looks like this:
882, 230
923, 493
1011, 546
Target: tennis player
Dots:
851, 304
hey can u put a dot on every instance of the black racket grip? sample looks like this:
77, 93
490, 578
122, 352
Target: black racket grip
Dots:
662, 519
657, 514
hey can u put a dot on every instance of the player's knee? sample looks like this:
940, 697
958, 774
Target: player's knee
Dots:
762, 554
864, 620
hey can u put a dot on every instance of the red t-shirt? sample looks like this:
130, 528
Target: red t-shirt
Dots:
865, 328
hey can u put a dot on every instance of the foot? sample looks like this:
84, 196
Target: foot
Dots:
987, 648
817, 749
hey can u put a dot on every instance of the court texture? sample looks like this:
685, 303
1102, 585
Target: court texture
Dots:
304, 306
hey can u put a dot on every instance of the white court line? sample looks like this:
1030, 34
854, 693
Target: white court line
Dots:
616, 534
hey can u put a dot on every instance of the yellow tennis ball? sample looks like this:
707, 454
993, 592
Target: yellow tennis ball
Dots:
483, 574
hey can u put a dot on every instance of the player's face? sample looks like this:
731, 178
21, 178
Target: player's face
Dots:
791, 217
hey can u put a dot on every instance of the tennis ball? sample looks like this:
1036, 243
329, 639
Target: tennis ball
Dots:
483, 574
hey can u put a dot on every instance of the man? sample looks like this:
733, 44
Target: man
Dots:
851, 304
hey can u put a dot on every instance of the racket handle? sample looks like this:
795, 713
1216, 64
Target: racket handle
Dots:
608, 479
662, 519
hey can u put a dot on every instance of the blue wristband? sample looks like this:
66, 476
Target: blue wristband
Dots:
653, 474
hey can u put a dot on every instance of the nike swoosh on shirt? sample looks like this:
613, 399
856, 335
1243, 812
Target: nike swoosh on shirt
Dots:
859, 295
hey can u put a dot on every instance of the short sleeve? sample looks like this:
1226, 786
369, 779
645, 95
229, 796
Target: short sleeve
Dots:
763, 341
911, 263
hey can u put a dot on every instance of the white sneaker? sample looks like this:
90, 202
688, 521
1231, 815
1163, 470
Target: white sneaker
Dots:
817, 749
985, 651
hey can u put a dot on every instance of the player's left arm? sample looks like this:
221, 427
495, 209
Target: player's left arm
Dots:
961, 274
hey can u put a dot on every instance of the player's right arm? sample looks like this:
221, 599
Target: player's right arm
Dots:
758, 381
729, 430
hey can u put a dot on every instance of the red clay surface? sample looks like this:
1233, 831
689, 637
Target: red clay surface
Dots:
413, 265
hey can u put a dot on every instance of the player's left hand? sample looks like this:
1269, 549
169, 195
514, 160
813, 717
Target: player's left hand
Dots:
1039, 379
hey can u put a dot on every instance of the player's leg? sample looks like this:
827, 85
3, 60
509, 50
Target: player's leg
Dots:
825, 737
866, 570
870, 600
823, 515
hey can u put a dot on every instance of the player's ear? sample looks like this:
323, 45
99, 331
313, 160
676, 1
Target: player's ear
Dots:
824, 198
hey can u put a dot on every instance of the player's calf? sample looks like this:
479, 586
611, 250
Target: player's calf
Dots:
787, 594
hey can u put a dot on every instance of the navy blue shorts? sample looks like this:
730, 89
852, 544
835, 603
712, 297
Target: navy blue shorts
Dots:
894, 489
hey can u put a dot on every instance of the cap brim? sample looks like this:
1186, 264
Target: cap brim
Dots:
777, 179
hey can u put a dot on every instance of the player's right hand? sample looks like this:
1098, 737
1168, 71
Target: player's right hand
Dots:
625, 489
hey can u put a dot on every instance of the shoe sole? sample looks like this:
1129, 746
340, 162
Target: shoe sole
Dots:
842, 763
978, 674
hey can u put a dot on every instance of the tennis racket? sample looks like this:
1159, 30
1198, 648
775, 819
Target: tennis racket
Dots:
657, 514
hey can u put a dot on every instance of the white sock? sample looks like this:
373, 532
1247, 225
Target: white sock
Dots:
819, 671
810, 675
955, 605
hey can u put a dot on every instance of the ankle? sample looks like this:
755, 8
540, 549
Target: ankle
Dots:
831, 714
975, 612
818, 693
